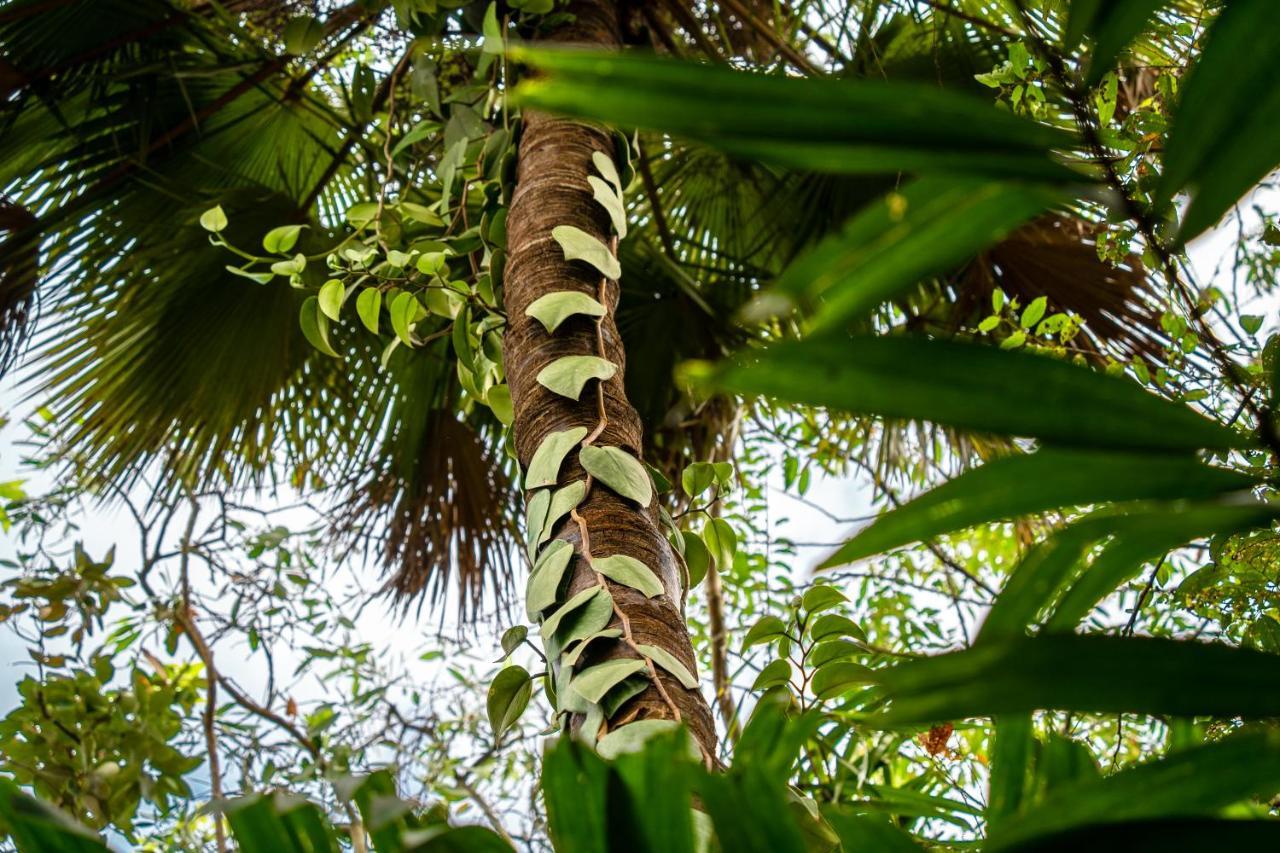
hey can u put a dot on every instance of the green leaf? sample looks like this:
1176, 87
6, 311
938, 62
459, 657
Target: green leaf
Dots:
513, 637
535, 518
562, 501
628, 571
1101, 674
605, 166
590, 613
508, 697
36, 826
1112, 25
256, 824
618, 470
213, 219
830, 625
578, 245
721, 540
575, 782
330, 299
819, 124
546, 577
570, 658
280, 241
568, 374
368, 307
1199, 780
968, 386
315, 326
775, 673
256, 277
697, 477
404, 312
821, 597
632, 737
1028, 483
868, 832
1010, 764
492, 30
838, 677
930, 227
670, 663
1223, 140
609, 199
831, 650
697, 558
544, 467
766, 630
301, 35
1033, 312
552, 309
592, 683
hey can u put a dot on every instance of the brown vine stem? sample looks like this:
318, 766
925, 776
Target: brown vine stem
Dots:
602, 422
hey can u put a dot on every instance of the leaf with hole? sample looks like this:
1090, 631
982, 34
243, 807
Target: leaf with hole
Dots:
618, 470
578, 245
552, 309
630, 572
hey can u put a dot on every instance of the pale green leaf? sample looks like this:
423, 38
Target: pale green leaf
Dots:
618, 470
330, 299
546, 577
315, 326
562, 501
368, 307
628, 571
593, 683
578, 245
552, 309
213, 219
568, 374
607, 198
605, 166
670, 663
544, 467
279, 241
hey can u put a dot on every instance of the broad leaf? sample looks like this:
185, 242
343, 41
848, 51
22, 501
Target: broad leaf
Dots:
547, 574
609, 199
562, 502
839, 677
368, 307
968, 386
628, 571
670, 663
1083, 673
1049, 479
315, 326
552, 309
508, 697
568, 374
578, 245
592, 683
618, 470
544, 467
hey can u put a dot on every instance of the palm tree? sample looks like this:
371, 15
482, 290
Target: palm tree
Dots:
125, 120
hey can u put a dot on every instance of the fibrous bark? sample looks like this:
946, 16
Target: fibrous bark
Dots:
552, 190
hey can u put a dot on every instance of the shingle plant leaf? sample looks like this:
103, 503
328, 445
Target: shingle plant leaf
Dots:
508, 697
668, 661
578, 245
594, 682
544, 467
607, 198
553, 309
628, 571
568, 374
618, 470
547, 574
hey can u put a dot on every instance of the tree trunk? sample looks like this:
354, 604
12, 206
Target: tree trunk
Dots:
552, 190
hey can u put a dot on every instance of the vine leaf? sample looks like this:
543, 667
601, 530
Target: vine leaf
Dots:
591, 613
535, 517
330, 298
508, 697
562, 501
571, 658
552, 309
578, 245
544, 580
568, 374
368, 306
544, 467
618, 470
604, 165
633, 736
404, 311
315, 326
611, 202
670, 663
629, 571
591, 684
836, 678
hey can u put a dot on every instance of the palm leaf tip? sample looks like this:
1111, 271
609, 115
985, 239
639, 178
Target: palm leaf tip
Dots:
19, 275
442, 523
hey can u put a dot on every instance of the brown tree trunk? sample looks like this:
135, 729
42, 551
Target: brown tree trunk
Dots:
552, 190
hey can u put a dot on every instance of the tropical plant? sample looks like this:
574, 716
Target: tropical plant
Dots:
805, 212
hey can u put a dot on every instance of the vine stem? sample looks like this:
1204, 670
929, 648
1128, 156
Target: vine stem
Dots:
601, 423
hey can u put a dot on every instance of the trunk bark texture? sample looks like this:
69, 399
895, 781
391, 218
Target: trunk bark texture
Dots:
552, 190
